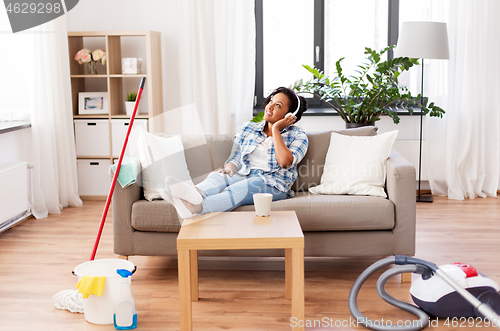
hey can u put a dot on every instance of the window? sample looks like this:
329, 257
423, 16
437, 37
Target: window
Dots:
14, 69
347, 35
285, 39
291, 33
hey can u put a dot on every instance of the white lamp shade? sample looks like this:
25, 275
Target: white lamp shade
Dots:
423, 40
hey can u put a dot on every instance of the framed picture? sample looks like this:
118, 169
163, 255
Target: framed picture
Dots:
90, 103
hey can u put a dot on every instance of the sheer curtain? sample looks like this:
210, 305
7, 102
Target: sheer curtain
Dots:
461, 154
55, 178
217, 62
473, 163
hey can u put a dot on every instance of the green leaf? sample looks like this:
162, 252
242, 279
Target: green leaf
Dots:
313, 71
258, 118
339, 67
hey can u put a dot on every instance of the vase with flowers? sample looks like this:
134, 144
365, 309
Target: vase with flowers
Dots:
91, 58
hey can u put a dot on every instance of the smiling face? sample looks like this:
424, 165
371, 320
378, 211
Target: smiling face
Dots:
277, 108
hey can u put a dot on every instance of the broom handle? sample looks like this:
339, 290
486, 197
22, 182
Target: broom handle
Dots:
117, 171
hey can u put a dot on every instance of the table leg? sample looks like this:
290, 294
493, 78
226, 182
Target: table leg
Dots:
406, 278
298, 286
288, 273
194, 275
184, 266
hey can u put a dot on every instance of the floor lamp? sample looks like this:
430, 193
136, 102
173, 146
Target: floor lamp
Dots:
423, 40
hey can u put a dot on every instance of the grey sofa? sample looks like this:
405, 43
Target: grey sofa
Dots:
333, 225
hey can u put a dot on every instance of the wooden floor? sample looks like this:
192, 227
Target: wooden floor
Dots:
37, 257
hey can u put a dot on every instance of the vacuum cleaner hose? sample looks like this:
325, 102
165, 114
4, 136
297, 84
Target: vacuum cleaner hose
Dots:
380, 326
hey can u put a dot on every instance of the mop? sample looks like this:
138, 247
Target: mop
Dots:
71, 300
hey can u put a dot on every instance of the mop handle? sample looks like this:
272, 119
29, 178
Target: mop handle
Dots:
117, 171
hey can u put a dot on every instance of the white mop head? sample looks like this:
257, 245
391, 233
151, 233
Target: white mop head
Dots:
70, 300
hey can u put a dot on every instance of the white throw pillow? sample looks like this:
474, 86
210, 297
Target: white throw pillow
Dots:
356, 165
161, 157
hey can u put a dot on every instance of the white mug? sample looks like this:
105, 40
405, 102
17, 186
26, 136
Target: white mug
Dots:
262, 202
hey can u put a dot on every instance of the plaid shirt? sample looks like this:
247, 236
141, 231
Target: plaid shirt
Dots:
250, 135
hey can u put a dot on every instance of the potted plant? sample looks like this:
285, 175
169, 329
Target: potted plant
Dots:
130, 102
373, 91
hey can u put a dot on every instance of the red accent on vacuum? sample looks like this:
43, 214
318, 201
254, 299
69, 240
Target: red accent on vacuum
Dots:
469, 270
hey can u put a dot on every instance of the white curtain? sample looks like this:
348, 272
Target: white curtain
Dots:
473, 154
461, 155
55, 177
217, 63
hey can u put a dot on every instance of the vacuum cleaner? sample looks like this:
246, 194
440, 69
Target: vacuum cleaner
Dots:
450, 291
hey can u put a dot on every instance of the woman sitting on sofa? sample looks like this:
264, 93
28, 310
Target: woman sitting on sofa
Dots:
263, 160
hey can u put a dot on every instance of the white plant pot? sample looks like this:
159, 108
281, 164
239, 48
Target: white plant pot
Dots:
129, 107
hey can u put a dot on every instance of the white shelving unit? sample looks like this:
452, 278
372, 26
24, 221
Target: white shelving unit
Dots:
99, 137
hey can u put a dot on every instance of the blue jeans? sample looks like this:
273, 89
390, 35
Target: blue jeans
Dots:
225, 193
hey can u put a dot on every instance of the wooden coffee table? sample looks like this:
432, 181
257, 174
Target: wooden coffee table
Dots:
241, 230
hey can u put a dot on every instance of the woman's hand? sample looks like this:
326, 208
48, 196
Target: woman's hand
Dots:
284, 122
228, 169
284, 156
225, 172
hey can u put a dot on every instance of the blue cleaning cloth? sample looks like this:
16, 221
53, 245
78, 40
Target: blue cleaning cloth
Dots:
128, 171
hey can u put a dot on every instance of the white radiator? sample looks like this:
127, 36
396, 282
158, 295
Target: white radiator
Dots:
15, 193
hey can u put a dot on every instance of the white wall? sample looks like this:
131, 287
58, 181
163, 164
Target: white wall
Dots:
133, 15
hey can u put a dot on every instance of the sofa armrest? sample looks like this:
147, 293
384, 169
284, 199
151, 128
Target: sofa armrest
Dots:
400, 187
123, 199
